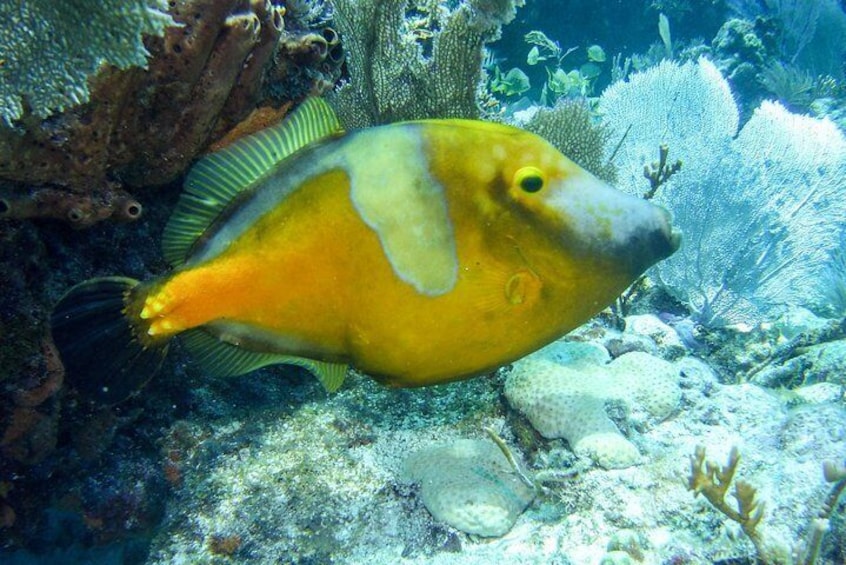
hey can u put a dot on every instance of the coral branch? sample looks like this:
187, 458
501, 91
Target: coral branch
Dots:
659, 172
833, 473
713, 481
506, 451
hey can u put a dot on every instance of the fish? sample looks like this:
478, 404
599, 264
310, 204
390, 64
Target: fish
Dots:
418, 252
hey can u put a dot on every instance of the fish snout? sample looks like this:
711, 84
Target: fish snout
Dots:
609, 224
654, 240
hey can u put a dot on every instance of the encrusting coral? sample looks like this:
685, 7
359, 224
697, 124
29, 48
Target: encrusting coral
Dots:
47, 61
471, 486
564, 389
144, 127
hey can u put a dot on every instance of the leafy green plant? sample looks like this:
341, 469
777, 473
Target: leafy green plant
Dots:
512, 83
559, 82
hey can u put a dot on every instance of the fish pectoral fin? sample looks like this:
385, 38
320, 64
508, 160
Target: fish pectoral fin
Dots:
507, 289
221, 359
523, 287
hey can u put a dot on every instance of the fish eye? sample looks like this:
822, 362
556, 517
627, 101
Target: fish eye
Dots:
530, 179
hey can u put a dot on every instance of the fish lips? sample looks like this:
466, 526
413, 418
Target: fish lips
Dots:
652, 243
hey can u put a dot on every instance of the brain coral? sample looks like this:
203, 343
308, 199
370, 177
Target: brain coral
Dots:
470, 486
564, 390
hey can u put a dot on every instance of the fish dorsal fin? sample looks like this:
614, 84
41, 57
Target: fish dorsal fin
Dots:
217, 179
221, 359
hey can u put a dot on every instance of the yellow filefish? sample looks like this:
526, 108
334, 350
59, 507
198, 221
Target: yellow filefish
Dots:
418, 252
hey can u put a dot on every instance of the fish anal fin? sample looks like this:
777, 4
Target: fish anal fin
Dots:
330, 375
222, 359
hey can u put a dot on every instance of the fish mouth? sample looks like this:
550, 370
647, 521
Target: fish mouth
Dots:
667, 239
652, 242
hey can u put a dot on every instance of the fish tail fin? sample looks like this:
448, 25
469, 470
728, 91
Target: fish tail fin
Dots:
106, 354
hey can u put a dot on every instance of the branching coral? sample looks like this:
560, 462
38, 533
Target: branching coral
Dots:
145, 127
658, 172
713, 482
414, 60
836, 474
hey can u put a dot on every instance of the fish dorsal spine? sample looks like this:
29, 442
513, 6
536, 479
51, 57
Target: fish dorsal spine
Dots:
219, 178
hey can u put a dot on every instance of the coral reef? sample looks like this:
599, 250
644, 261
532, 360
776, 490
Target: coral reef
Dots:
51, 442
689, 107
31, 374
292, 471
78, 210
809, 364
144, 127
713, 482
414, 60
271, 466
793, 50
742, 49
565, 388
267, 467
650, 334
30, 423
46, 74
571, 128
470, 486
773, 186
